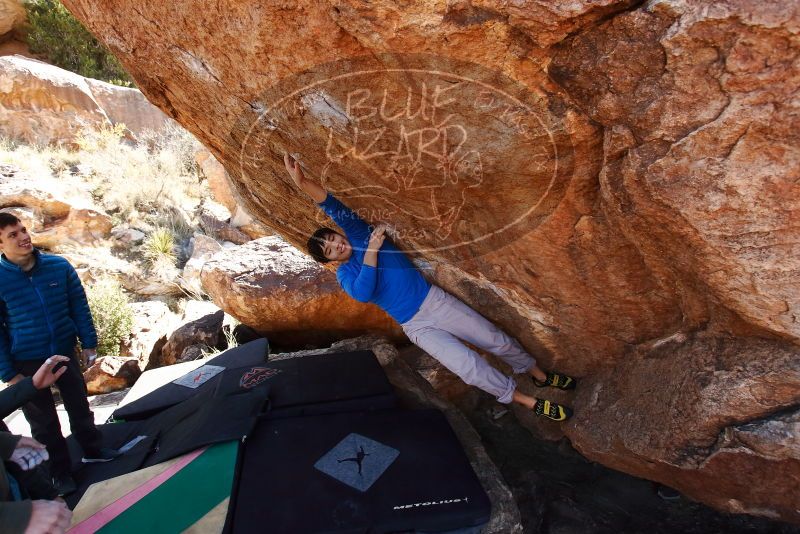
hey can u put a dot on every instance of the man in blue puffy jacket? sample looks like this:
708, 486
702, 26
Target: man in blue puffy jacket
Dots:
43, 311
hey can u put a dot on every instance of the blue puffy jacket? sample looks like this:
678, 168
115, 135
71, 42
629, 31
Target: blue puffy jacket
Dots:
41, 312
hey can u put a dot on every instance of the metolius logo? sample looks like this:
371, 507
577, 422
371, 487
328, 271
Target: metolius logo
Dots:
431, 503
357, 461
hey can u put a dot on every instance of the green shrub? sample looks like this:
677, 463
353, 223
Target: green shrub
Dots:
113, 318
57, 35
159, 246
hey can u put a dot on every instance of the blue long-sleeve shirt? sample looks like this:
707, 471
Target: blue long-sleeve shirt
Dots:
41, 312
395, 284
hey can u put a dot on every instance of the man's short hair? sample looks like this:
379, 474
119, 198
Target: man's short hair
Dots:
316, 244
7, 219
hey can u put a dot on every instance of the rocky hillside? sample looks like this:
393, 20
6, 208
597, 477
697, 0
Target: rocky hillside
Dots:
42, 104
145, 208
614, 182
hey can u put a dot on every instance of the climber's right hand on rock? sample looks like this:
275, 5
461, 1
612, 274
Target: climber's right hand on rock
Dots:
294, 170
377, 237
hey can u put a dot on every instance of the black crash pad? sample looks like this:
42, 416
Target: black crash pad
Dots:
301, 474
252, 353
326, 383
202, 420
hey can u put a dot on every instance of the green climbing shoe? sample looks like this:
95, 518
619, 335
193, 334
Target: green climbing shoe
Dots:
557, 380
552, 410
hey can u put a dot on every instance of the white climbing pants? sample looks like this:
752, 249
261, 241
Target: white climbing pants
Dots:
438, 328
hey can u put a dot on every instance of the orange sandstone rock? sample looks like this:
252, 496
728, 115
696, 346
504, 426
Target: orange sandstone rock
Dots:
595, 177
277, 290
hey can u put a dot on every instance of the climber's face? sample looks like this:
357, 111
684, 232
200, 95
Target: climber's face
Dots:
336, 247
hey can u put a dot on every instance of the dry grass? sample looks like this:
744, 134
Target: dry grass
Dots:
152, 184
153, 181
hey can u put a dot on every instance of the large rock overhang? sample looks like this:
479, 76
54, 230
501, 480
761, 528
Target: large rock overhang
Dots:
611, 182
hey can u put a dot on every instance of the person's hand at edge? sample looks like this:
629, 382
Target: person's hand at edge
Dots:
29, 453
89, 356
44, 377
49, 517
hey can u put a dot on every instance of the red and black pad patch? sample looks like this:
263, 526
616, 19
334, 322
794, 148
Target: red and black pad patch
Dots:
256, 375
154, 399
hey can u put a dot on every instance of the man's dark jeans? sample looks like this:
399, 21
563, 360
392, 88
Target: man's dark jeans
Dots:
41, 415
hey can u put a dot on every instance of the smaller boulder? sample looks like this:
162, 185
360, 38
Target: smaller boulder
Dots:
192, 353
202, 331
153, 323
215, 225
111, 373
203, 248
288, 297
128, 236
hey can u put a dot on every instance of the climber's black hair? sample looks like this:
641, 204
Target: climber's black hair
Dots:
316, 244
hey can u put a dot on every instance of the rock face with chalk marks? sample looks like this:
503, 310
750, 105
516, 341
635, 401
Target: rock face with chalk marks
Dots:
615, 183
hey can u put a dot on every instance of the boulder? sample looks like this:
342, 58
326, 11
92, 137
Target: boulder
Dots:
127, 236
729, 405
203, 248
216, 224
54, 214
204, 330
594, 177
153, 323
193, 352
43, 104
416, 393
111, 373
272, 287
12, 16
222, 192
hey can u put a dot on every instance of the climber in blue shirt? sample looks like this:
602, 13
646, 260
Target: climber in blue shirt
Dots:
372, 269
